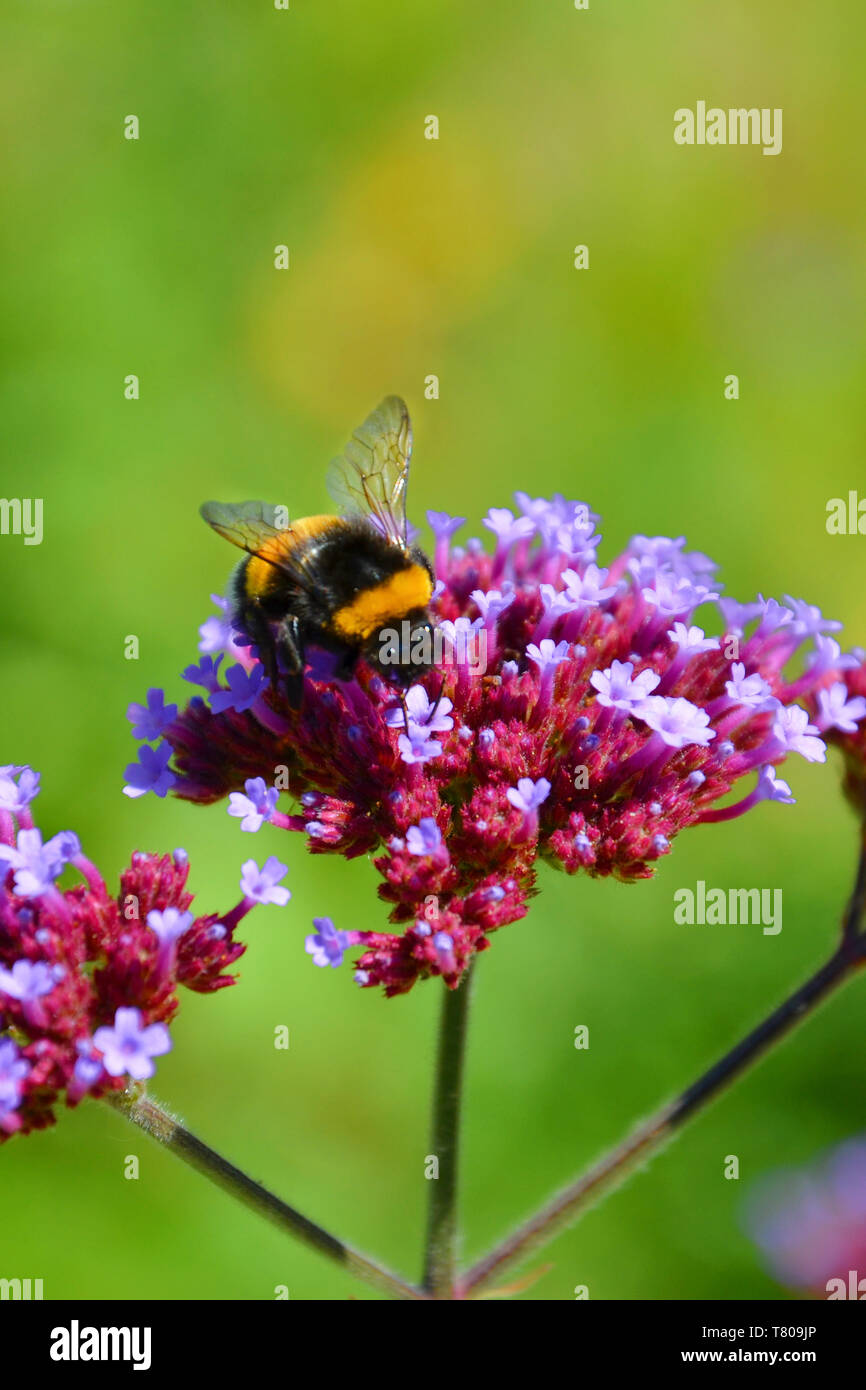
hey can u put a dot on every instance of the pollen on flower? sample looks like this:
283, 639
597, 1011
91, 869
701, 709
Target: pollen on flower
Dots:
601, 723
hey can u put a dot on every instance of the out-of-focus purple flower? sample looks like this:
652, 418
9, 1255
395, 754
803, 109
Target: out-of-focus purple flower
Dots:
556, 602
257, 806
674, 594
244, 689
677, 721
752, 691
13, 1070
837, 711
792, 729
88, 1067
692, 639
261, 885
810, 1223
773, 788
827, 655
169, 924
443, 525
417, 748
465, 635
215, 634
588, 587
807, 620
492, 603
150, 721
537, 508
737, 616
506, 527
151, 773
773, 616
16, 797
28, 980
37, 865
423, 838
443, 945
204, 673
326, 945
547, 654
528, 795
618, 690
129, 1047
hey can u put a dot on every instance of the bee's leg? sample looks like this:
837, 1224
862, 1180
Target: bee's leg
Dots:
291, 645
345, 667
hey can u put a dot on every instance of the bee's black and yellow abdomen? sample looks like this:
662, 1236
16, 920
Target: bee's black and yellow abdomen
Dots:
405, 591
332, 582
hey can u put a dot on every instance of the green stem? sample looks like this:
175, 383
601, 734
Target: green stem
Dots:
162, 1127
440, 1268
564, 1209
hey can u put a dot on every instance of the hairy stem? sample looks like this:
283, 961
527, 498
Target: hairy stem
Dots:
162, 1127
650, 1136
440, 1268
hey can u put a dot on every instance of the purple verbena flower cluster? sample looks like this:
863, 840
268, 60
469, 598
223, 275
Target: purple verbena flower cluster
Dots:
582, 717
89, 980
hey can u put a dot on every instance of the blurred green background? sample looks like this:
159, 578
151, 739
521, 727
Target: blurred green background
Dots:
412, 257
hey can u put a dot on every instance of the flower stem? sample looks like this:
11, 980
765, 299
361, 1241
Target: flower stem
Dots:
853, 918
161, 1126
650, 1136
440, 1268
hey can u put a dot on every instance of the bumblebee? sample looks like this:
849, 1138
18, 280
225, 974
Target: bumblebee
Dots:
337, 582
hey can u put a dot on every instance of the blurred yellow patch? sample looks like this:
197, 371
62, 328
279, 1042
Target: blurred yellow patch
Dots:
412, 243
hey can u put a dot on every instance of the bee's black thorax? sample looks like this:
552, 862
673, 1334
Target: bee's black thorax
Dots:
354, 579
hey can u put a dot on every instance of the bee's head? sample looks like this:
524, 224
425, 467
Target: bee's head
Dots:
403, 649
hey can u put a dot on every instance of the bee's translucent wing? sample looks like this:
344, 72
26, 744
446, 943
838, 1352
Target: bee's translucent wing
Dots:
249, 525
370, 476
261, 529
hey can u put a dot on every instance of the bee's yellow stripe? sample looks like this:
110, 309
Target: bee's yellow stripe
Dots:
260, 570
387, 602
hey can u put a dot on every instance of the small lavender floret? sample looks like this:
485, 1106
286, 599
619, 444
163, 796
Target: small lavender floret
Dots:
128, 1048
261, 885
150, 721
